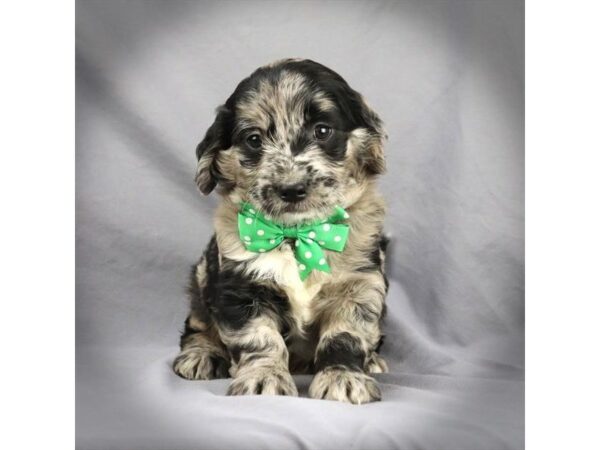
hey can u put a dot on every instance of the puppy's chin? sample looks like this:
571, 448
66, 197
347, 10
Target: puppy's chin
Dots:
309, 210
297, 217
290, 214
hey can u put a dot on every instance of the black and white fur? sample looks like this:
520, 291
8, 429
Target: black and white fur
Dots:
291, 123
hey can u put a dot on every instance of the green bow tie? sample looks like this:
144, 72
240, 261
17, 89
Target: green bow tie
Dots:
261, 235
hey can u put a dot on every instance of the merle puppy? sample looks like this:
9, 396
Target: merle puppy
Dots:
294, 153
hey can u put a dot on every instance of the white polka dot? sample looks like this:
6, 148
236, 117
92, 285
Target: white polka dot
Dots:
310, 241
307, 255
337, 238
247, 238
272, 241
346, 215
297, 243
248, 220
301, 267
326, 227
260, 232
322, 242
261, 250
322, 261
251, 211
312, 235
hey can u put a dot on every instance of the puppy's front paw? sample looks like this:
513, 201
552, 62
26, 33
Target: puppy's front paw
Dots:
345, 386
263, 381
198, 364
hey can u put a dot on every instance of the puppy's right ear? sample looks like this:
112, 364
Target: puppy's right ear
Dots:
217, 138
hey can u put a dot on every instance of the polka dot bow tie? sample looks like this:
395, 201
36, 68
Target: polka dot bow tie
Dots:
261, 235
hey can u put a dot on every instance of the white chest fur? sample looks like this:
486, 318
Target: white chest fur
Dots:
280, 266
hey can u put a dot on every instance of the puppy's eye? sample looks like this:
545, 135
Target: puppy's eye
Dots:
254, 141
322, 132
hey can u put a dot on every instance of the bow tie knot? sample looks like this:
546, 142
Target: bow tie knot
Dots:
290, 232
260, 234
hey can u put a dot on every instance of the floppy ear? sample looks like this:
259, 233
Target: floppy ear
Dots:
217, 138
370, 156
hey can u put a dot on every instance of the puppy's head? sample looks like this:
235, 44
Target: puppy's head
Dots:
293, 140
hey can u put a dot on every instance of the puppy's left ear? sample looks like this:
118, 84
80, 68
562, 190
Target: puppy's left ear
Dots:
371, 137
217, 138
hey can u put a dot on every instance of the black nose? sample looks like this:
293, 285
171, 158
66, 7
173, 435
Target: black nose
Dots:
293, 192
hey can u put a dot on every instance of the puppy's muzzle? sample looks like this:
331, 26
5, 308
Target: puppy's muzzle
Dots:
292, 193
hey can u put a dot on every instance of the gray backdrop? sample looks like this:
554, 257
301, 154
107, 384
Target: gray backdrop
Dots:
446, 77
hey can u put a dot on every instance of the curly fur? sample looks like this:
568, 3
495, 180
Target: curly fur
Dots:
251, 315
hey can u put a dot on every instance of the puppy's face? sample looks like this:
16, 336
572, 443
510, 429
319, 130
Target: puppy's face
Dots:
294, 140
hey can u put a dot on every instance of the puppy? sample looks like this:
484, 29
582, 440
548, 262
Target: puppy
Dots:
293, 278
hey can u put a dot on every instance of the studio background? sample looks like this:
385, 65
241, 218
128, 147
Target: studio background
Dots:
447, 79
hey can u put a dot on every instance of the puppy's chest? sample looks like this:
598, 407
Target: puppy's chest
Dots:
280, 266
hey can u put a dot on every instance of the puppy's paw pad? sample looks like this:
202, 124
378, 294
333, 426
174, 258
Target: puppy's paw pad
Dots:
263, 381
344, 386
193, 364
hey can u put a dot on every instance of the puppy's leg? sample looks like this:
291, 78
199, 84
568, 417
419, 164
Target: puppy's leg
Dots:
203, 356
260, 359
348, 337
